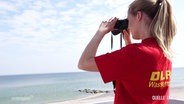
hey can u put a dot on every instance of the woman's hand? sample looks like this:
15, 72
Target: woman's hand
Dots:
126, 37
107, 26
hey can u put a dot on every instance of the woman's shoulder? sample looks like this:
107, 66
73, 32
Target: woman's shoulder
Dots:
141, 48
133, 46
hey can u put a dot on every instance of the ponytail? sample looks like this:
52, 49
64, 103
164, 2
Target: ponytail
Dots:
163, 26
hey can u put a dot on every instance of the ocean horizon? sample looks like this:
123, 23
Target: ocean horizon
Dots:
57, 87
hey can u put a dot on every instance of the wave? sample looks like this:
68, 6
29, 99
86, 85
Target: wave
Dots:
22, 98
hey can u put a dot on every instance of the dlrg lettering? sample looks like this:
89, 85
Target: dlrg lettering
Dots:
160, 79
162, 75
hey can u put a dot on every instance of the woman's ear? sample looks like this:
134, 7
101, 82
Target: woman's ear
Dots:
139, 15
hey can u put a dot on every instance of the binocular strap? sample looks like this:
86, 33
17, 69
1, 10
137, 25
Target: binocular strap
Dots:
121, 36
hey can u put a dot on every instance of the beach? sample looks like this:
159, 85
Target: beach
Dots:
176, 97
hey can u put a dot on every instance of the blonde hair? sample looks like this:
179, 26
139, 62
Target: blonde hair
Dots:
162, 26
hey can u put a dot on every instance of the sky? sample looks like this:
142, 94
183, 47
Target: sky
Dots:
48, 36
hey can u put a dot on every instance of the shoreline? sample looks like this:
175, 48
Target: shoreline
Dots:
176, 97
177, 93
100, 98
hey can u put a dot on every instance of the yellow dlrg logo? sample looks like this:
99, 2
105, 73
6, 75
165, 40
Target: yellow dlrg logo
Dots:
160, 75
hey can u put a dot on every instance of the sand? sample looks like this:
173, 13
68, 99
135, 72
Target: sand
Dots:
176, 97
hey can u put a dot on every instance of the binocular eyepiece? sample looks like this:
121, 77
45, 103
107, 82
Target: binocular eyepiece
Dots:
120, 26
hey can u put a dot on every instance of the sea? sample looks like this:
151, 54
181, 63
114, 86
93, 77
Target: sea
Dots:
58, 87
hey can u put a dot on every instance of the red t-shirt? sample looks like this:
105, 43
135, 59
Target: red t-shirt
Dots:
141, 70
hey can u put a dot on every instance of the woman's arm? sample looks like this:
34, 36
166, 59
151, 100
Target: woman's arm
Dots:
87, 59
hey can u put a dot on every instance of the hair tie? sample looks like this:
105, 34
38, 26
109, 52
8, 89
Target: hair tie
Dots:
157, 7
159, 2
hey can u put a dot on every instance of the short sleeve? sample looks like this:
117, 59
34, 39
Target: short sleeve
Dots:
113, 66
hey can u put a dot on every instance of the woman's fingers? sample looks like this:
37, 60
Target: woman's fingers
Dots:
126, 37
108, 25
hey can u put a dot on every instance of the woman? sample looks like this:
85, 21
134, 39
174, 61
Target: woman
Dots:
142, 71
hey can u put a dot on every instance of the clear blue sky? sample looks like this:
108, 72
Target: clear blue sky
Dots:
46, 36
